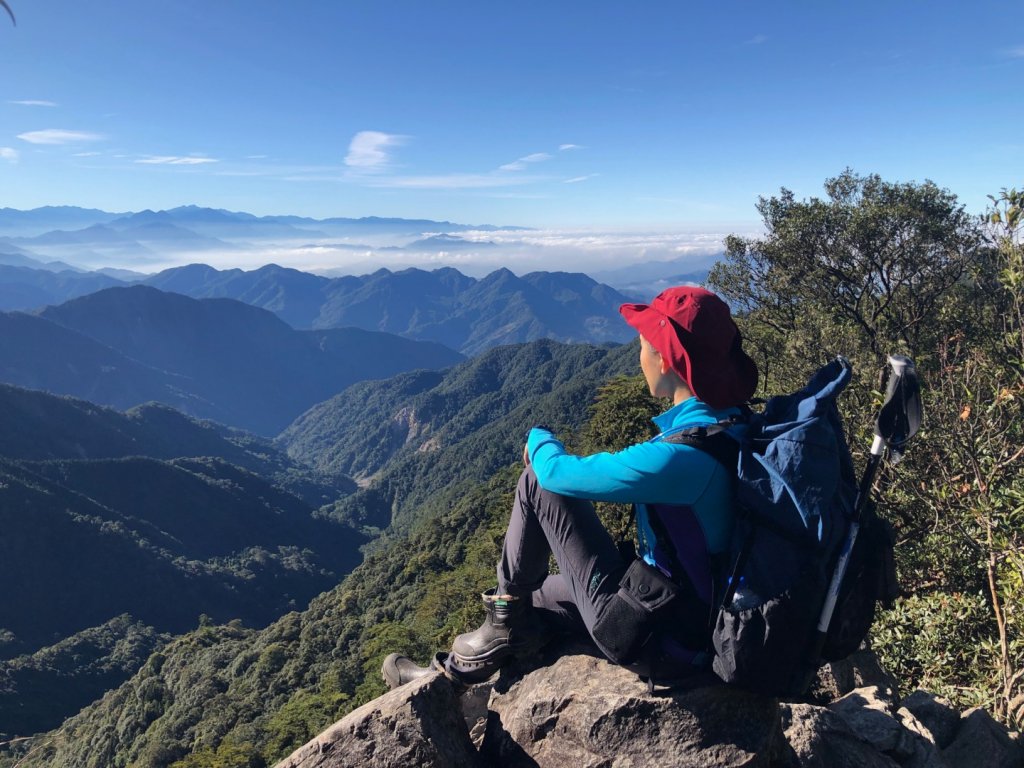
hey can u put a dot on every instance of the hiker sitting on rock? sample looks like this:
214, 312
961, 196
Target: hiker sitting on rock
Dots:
650, 614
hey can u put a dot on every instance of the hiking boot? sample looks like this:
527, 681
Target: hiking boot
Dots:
399, 670
511, 628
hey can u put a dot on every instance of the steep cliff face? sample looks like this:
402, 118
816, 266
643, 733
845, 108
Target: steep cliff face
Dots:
578, 710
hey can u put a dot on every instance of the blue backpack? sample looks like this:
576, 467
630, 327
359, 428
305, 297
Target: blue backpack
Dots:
795, 493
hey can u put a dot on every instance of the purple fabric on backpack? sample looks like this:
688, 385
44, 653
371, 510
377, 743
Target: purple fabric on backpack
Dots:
691, 548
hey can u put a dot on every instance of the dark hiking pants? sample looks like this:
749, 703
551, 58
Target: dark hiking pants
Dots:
589, 564
590, 569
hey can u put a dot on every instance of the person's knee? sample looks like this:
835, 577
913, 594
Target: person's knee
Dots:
528, 486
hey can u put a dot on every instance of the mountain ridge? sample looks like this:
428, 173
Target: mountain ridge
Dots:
212, 358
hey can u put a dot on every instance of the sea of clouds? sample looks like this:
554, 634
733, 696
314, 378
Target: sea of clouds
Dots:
474, 253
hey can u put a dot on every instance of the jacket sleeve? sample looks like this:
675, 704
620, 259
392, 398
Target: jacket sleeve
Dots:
649, 473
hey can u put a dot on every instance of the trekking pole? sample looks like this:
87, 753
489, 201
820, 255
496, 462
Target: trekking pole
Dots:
897, 422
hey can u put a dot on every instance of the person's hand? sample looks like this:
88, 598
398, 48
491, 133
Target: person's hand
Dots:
526, 455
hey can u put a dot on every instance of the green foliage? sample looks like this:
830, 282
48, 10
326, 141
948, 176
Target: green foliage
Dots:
304, 713
940, 642
620, 416
38, 691
163, 541
862, 273
226, 755
877, 268
463, 429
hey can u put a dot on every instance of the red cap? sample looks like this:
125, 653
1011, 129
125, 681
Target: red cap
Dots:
694, 332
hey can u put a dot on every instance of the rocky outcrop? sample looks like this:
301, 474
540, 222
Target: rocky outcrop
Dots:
420, 724
606, 716
579, 711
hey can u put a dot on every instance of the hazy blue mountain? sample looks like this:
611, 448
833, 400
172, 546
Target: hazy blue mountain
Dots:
136, 231
294, 296
50, 217
13, 256
38, 426
231, 362
442, 305
24, 287
218, 223
449, 242
40, 354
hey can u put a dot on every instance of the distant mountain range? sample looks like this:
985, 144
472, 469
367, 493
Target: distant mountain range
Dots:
55, 237
209, 222
214, 358
444, 305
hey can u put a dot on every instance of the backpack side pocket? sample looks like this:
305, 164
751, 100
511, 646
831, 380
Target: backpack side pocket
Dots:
634, 612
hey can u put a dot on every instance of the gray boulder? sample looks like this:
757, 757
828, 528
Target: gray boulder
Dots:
580, 711
820, 738
859, 670
866, 712
584, 712
420, 724
934, 713
980, 740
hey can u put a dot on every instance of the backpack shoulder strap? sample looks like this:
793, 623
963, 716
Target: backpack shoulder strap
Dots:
713, 439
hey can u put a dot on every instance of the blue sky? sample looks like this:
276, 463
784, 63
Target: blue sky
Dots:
604, 115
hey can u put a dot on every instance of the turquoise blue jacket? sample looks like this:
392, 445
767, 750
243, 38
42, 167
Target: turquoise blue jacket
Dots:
648, 473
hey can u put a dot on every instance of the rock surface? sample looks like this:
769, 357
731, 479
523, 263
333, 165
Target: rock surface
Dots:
420, 724
607, 717
579, 711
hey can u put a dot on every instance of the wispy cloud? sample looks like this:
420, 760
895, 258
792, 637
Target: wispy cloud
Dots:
8, 154
369, 151
176, 160
1015, 53
86, 154
33, 103
756, 40
566, 147
59, 136
577, 179
523, 162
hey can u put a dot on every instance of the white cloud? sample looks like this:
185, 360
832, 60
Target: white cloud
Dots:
8, 154
522, 162
578, 179
756, 40
564, 147
34, 103
86, 154
368, 150
1016, 53
59, 136
176, 160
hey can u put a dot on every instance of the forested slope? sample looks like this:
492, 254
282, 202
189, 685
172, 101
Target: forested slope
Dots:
259, 694
417, 434
38, 426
